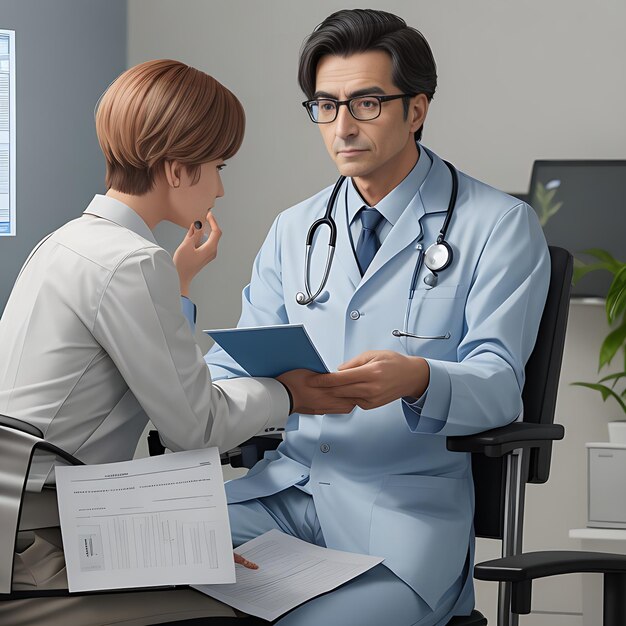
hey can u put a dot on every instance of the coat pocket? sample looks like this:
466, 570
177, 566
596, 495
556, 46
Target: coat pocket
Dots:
437, 318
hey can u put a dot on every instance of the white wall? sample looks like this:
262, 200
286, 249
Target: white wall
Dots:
518, 81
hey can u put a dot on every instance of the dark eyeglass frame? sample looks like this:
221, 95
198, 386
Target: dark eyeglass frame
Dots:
308, 105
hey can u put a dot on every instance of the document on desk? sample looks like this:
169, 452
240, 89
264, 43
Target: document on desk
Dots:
149, 522
291, 571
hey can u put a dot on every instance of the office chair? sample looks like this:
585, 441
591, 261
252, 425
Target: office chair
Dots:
505, 459
527, 447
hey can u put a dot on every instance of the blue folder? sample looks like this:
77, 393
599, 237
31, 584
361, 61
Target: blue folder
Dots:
269, 351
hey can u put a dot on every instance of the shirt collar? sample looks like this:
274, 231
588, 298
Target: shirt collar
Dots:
393, 204
120, 214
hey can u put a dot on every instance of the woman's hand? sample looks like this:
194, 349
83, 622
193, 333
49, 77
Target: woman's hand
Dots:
241, 561
192, 255
311, 396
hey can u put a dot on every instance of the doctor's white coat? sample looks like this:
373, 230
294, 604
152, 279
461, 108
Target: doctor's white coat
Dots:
382, 480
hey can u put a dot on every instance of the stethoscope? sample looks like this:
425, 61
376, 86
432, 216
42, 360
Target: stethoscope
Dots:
436, 258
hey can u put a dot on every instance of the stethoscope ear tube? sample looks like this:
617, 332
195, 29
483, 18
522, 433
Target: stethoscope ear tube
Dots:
327, 220
307, 298
451, 204
439, 255
323, 221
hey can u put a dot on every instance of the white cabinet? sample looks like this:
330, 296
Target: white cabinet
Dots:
607, 487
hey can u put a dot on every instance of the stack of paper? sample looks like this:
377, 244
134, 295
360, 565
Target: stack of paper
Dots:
163, 521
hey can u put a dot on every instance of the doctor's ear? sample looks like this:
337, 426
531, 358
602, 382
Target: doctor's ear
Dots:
418, 108
172, 171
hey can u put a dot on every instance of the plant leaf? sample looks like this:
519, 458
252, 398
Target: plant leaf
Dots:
554, 209
606, 392
616, 298
581, 268
606, 257
539, 192
613, 342
549, 196
614, 377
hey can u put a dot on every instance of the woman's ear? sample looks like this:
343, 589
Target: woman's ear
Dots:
172, 170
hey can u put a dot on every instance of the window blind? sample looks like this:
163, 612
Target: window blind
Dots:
7, 132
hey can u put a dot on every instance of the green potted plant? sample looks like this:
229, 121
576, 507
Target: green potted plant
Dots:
612, 385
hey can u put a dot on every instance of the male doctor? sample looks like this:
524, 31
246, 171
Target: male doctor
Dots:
380, 480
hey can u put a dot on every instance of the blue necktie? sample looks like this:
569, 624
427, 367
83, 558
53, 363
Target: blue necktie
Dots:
368, 243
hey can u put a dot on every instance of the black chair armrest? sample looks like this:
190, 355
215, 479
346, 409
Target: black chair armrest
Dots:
500, 441
25, 427
245, 455
522, 569
155, 447
533, 565
252, 450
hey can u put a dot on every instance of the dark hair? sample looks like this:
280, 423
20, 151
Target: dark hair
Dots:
351, 31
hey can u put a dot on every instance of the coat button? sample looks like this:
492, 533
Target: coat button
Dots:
354, 315
325, 448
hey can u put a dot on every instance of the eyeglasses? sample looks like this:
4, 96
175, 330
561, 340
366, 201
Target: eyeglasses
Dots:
362, 108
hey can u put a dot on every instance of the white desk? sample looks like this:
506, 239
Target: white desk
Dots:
600, 535
597, 540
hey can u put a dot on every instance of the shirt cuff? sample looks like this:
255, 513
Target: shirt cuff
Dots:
429, 413
290, 397
189, 311
280, 400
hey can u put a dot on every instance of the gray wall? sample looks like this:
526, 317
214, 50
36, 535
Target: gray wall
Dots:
67, 53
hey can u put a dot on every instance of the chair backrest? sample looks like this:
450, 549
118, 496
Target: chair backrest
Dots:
18, 441
539, 397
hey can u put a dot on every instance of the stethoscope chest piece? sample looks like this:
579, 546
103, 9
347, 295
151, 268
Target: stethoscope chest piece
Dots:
438, 256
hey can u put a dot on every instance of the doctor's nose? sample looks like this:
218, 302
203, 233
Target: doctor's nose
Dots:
345, 124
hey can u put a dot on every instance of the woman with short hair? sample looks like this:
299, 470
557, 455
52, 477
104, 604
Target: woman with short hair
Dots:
94, 340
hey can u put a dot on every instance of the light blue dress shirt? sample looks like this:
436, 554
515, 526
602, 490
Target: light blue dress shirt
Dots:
392, 205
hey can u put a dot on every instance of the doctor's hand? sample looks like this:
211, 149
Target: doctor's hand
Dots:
192, 255
312, 398
378, 377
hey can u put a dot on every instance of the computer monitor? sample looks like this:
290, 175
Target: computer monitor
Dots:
588, 202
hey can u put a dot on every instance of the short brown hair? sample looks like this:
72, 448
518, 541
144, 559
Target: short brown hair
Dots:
165, 110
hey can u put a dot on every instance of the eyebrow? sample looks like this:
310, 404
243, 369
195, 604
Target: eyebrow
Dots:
367, 91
